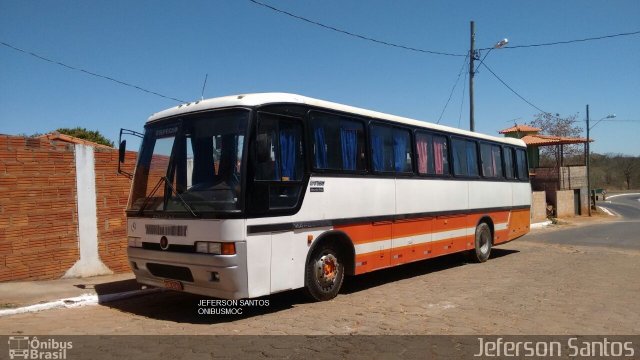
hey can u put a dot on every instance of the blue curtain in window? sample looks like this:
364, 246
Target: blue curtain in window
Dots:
399, 151
288, 144
377, 143
348, 139
321, 149
472, 160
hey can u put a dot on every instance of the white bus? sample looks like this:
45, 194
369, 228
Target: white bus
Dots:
249, 195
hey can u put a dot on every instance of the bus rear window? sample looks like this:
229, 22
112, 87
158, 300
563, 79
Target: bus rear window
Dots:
521, 161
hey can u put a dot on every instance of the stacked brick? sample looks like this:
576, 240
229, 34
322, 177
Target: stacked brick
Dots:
112, 194
38, 213
38, 210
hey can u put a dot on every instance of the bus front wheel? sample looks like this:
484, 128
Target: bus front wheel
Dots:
483, 243
324, 273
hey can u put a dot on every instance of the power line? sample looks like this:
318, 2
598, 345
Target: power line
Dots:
622, 120
464, 62
569, 41
515, 92
345, 32
88, 72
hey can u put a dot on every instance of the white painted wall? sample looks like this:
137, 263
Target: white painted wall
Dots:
89, 263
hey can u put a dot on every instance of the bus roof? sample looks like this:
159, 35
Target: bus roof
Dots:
251, 100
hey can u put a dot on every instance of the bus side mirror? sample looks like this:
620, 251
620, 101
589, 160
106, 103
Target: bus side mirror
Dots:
121, 151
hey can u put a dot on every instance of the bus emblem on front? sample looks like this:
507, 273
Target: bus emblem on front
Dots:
164, 243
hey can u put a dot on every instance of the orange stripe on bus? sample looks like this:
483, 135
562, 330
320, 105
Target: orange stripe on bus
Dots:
518, 225
370, 232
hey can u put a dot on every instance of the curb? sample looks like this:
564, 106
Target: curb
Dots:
79, 301
540, 225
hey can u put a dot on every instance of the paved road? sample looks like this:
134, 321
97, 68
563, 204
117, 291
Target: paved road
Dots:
623, 233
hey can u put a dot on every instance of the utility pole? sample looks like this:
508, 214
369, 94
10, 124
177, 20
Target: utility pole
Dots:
588, 164
472, 56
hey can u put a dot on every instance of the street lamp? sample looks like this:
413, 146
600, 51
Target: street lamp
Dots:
472, 56
610, 116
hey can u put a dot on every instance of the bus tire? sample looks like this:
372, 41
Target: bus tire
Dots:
483, 242
324, 272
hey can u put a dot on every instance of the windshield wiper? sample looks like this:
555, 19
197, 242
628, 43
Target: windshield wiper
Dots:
186, 205
173, 190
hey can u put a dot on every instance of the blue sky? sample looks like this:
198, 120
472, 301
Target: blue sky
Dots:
169, 46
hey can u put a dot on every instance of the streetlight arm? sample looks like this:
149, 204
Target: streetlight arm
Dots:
499, 45
610, 116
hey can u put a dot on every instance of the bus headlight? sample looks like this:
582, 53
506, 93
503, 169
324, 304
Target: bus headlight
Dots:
134, 241
217, 248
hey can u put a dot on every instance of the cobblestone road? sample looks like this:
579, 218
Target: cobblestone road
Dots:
526, 288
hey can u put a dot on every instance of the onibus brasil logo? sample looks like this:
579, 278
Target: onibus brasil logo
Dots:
25, 347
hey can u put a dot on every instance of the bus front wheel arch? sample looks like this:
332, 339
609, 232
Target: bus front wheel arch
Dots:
329, 260
324, 272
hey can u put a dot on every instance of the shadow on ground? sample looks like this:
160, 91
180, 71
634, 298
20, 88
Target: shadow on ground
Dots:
184, 308
111, 287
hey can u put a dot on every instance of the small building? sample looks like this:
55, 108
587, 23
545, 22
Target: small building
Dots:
564, 183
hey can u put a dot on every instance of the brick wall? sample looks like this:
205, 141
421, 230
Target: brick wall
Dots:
38, 210
112, 194
38, 216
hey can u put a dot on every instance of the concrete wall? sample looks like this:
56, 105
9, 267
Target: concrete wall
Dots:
566, 177
44, 184
538, 206
562, 202
573, 177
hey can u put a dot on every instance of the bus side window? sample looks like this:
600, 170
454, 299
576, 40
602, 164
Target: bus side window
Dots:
509, 169
390, 149
432, 154
338, 143
491, 158
465, 157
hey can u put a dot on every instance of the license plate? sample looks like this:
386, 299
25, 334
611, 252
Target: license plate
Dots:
173, 285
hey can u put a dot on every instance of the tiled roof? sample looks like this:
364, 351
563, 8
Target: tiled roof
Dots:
520, 128
552, 140
71, 139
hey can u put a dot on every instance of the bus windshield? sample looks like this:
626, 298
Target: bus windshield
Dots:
191, 165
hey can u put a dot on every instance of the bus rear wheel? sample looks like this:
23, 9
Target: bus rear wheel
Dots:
324, 273
483, 242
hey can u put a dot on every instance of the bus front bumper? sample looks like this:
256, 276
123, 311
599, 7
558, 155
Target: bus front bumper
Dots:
220, 276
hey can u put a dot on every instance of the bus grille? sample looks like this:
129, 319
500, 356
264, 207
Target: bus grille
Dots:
171, 230
170, 272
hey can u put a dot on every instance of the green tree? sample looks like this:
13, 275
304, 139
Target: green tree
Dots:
83, 133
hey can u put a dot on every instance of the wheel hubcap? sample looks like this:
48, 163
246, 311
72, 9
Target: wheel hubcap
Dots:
326, 270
